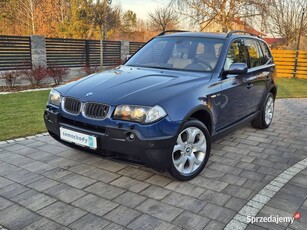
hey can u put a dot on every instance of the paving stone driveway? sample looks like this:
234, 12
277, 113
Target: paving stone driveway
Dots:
45, 185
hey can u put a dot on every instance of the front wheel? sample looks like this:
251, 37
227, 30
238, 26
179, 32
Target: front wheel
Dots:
191, 151
265, 117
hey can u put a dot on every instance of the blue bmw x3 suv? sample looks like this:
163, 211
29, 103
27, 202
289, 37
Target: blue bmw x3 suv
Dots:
169, 101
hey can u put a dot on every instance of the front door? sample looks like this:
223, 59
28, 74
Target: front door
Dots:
235, 96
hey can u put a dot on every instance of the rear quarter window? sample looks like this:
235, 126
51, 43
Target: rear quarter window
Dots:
267, 57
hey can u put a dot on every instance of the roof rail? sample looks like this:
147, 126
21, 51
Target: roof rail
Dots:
242, 32
171, 31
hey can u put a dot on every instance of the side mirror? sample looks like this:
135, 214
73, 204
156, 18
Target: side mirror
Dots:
237, 68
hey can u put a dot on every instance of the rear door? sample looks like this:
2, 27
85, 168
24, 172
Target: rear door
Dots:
260, 68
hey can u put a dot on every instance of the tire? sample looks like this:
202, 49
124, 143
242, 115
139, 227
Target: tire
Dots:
265, 117
191, 151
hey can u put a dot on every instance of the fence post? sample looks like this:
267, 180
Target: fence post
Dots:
38, 51
87, 53
124, 51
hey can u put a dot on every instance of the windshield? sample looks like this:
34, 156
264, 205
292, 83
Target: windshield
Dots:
183, 53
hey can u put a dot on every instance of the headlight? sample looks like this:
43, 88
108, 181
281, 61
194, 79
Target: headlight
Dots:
141, 114
54, 98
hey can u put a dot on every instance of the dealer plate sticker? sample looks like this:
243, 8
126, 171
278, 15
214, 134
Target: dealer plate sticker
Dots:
78, 138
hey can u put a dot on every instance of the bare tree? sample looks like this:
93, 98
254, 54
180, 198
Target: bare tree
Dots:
163, 18
222, 12
283, 19
27, 11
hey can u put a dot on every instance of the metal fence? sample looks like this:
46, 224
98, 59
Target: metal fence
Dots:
15, 53
135, 46
79, 53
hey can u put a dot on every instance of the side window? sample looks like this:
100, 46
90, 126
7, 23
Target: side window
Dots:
266, 53
255, 55
236, 54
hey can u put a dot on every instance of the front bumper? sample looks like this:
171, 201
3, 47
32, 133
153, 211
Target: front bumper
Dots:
113, 141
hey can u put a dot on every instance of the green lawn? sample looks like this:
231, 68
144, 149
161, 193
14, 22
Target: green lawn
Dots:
291, 87
21, 114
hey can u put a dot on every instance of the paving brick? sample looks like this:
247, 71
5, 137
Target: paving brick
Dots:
43, 184
285, 205
218, 213
4, 203
95, 204
90, 159
130, 199
237, 191
7, 169
248, 166
215, 197
158, 209
185, 188
235, 203
77, 180
109, 165
33, 200
149, 222
54, 149
300, 192
101, 175
89, 222
155, 192
211, 173
252, 175
185, 202
114, 226
12, 190
224, 160
65, 193
232, 179
215, 225
130, 184
17, 160
62, 162
81, 168
17, 217
159, 180
24, 177
62, 213
225, 168
188, 220
208, 183
105, 190
45, 224
42, 156
122, 215
5, 182
27, 151
299, 180
135, 173
56, 173
73, 154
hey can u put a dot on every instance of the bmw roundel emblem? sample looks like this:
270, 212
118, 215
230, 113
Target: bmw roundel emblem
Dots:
89, 94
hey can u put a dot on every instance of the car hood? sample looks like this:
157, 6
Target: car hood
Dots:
133, 85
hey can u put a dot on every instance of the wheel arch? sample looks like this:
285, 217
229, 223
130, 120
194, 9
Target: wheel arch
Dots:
273, 90
204, 115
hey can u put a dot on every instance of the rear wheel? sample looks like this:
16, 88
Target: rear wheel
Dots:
191, 151
265, 117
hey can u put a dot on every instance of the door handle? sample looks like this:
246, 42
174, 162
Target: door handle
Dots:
249, 85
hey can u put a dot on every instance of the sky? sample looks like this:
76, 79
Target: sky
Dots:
141, 7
